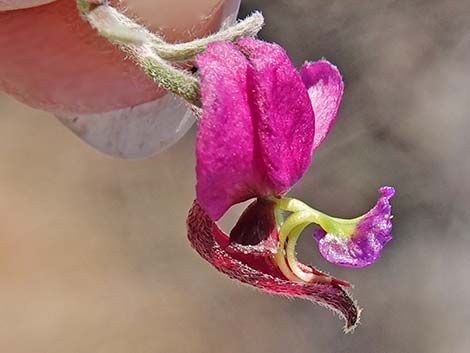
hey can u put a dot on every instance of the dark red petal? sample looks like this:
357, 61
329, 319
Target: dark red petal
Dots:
209, 241
255, 224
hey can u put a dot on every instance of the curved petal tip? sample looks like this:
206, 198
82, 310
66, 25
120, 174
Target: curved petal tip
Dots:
364, 246
258, 270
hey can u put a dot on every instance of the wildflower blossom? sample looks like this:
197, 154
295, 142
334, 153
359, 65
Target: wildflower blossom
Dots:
260, 123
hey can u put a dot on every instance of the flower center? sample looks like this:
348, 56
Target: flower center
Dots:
290, 229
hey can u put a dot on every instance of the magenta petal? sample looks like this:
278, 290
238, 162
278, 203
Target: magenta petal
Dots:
325, 88
224, 147
256, 133
258, 271
365, 245
282, 113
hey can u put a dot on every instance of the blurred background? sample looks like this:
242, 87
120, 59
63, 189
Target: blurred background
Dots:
93, 250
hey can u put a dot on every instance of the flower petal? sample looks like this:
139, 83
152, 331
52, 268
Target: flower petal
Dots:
258, 271
255, 224
325, 88
364, 246
224, 146
256, 133
282, 113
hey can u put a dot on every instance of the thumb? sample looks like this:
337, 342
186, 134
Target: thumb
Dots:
51, 59
20, 4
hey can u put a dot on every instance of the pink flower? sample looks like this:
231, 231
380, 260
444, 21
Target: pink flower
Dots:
261, 122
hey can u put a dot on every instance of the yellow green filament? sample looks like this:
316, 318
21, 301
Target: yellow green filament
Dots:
301, 215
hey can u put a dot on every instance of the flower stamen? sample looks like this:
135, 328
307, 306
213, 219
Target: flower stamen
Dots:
292, 259
355, 242
292, 227
289, 232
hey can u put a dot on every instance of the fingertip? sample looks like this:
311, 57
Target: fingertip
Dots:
7, 5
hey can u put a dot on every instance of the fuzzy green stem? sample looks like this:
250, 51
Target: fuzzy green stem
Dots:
151, 52
133, 39
249, 27
115, 26
118, 28
173, 80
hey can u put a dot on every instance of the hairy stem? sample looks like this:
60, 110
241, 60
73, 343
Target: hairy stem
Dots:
249, 27
135, 40
152, 53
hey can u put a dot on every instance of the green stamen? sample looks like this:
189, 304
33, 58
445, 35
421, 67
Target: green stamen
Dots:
290, 230
280, 260
290, 253
337, 226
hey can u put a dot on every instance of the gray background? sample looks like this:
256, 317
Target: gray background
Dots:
93, 251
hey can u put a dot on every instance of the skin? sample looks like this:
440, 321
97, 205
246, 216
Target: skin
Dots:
51, 59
